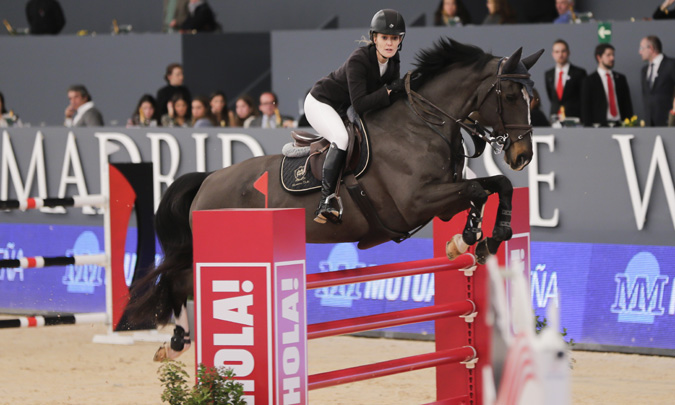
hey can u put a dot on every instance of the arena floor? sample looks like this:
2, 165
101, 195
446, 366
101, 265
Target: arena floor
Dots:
60, 365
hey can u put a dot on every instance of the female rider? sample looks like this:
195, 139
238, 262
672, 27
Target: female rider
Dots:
365, 81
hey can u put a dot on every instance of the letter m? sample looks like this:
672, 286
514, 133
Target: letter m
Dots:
9, 167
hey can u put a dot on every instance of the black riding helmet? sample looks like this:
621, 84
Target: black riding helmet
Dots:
389, 22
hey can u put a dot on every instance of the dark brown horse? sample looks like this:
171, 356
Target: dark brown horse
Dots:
415, 173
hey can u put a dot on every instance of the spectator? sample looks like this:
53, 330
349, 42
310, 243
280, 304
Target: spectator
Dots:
605, 96
245, 111
145, 114
671, 115
658, 81
223, 116
201, 113
45, 17
200, 18
538, 117
174, 78
177, 115
565, 10
449, 11
271, 117
662, 12
563, 82
175, 13
8, 118
81, 111
499, 12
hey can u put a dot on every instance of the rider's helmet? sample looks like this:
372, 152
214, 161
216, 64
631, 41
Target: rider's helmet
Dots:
389, 22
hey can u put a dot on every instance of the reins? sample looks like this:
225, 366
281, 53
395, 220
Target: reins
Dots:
432, 116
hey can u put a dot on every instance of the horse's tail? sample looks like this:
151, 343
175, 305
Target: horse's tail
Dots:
167, 287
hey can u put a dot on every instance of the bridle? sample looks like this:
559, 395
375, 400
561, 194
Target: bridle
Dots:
431, 115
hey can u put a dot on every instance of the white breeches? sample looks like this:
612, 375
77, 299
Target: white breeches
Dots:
324, 119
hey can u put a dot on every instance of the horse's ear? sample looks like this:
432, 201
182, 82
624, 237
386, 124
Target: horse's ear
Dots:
529, 61
512, 61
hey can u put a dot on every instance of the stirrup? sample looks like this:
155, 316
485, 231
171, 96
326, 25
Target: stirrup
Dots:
321, 218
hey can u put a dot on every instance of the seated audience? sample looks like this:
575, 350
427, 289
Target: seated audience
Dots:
662, 12
245, 111
81, 111
8, 118
499, 12
565, 10
451, 12
174, 79
177, 116
145, 113
45, 17
201, 113
223, 116
200, 18
271, 117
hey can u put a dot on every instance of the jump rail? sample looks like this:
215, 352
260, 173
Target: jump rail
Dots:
52, 202
41, 261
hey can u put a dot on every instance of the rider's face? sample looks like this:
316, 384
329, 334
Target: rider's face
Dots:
387, 45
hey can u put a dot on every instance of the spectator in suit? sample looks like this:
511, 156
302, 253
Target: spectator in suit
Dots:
448, 11
605, 96
81, 111
200, 18
565, 10
174, 79
658, 81
563, 82
270, 117
662, 12
45, 17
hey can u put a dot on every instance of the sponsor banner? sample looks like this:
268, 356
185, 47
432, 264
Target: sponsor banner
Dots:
70, 288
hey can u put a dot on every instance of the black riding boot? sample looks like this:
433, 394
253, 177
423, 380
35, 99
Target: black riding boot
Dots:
331, 170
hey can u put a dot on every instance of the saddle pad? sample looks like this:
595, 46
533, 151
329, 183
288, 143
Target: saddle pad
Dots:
295, 180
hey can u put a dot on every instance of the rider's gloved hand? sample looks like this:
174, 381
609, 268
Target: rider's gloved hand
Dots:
396, 86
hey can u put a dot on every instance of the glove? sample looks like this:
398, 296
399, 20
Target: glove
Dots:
396, 86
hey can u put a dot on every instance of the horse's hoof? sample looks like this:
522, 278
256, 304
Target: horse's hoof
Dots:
165, 352
482, 252
455, 247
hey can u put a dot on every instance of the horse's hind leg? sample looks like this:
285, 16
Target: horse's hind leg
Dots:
472, 230
502, 229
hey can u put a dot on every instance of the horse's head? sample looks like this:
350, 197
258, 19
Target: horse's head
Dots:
504, 104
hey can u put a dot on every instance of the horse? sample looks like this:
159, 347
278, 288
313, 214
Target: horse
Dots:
415, 171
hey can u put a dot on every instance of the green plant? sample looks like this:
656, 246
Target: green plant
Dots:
215, 386
541, 323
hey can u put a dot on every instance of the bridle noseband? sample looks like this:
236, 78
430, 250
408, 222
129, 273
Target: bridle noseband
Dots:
499, 143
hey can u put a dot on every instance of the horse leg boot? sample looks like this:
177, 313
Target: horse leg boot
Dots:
502, 230
180, 341
472, 230
332, 167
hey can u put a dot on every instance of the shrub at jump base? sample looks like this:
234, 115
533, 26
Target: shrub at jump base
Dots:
215, 386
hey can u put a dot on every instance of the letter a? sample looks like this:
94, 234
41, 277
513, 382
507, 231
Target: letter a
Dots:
234, 309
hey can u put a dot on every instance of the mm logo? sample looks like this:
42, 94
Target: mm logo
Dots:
639, 290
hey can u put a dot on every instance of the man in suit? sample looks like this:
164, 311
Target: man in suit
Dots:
81, 111
563, 82
605, 96
658, 82
270, 117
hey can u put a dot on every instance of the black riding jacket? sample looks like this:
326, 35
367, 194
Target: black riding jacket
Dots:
358, 83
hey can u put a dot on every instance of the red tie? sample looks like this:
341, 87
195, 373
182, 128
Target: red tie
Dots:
559, 88
612, 100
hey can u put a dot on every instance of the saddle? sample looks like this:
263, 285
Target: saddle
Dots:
301, 167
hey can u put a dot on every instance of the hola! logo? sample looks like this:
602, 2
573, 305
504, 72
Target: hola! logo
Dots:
639, 290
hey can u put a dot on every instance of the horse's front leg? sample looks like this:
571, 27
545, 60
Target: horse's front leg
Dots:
502, 230
472, 232
180, 341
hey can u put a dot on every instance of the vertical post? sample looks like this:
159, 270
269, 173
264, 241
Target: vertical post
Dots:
250, 300
455, 380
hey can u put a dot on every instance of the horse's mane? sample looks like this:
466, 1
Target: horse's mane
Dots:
446, 52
